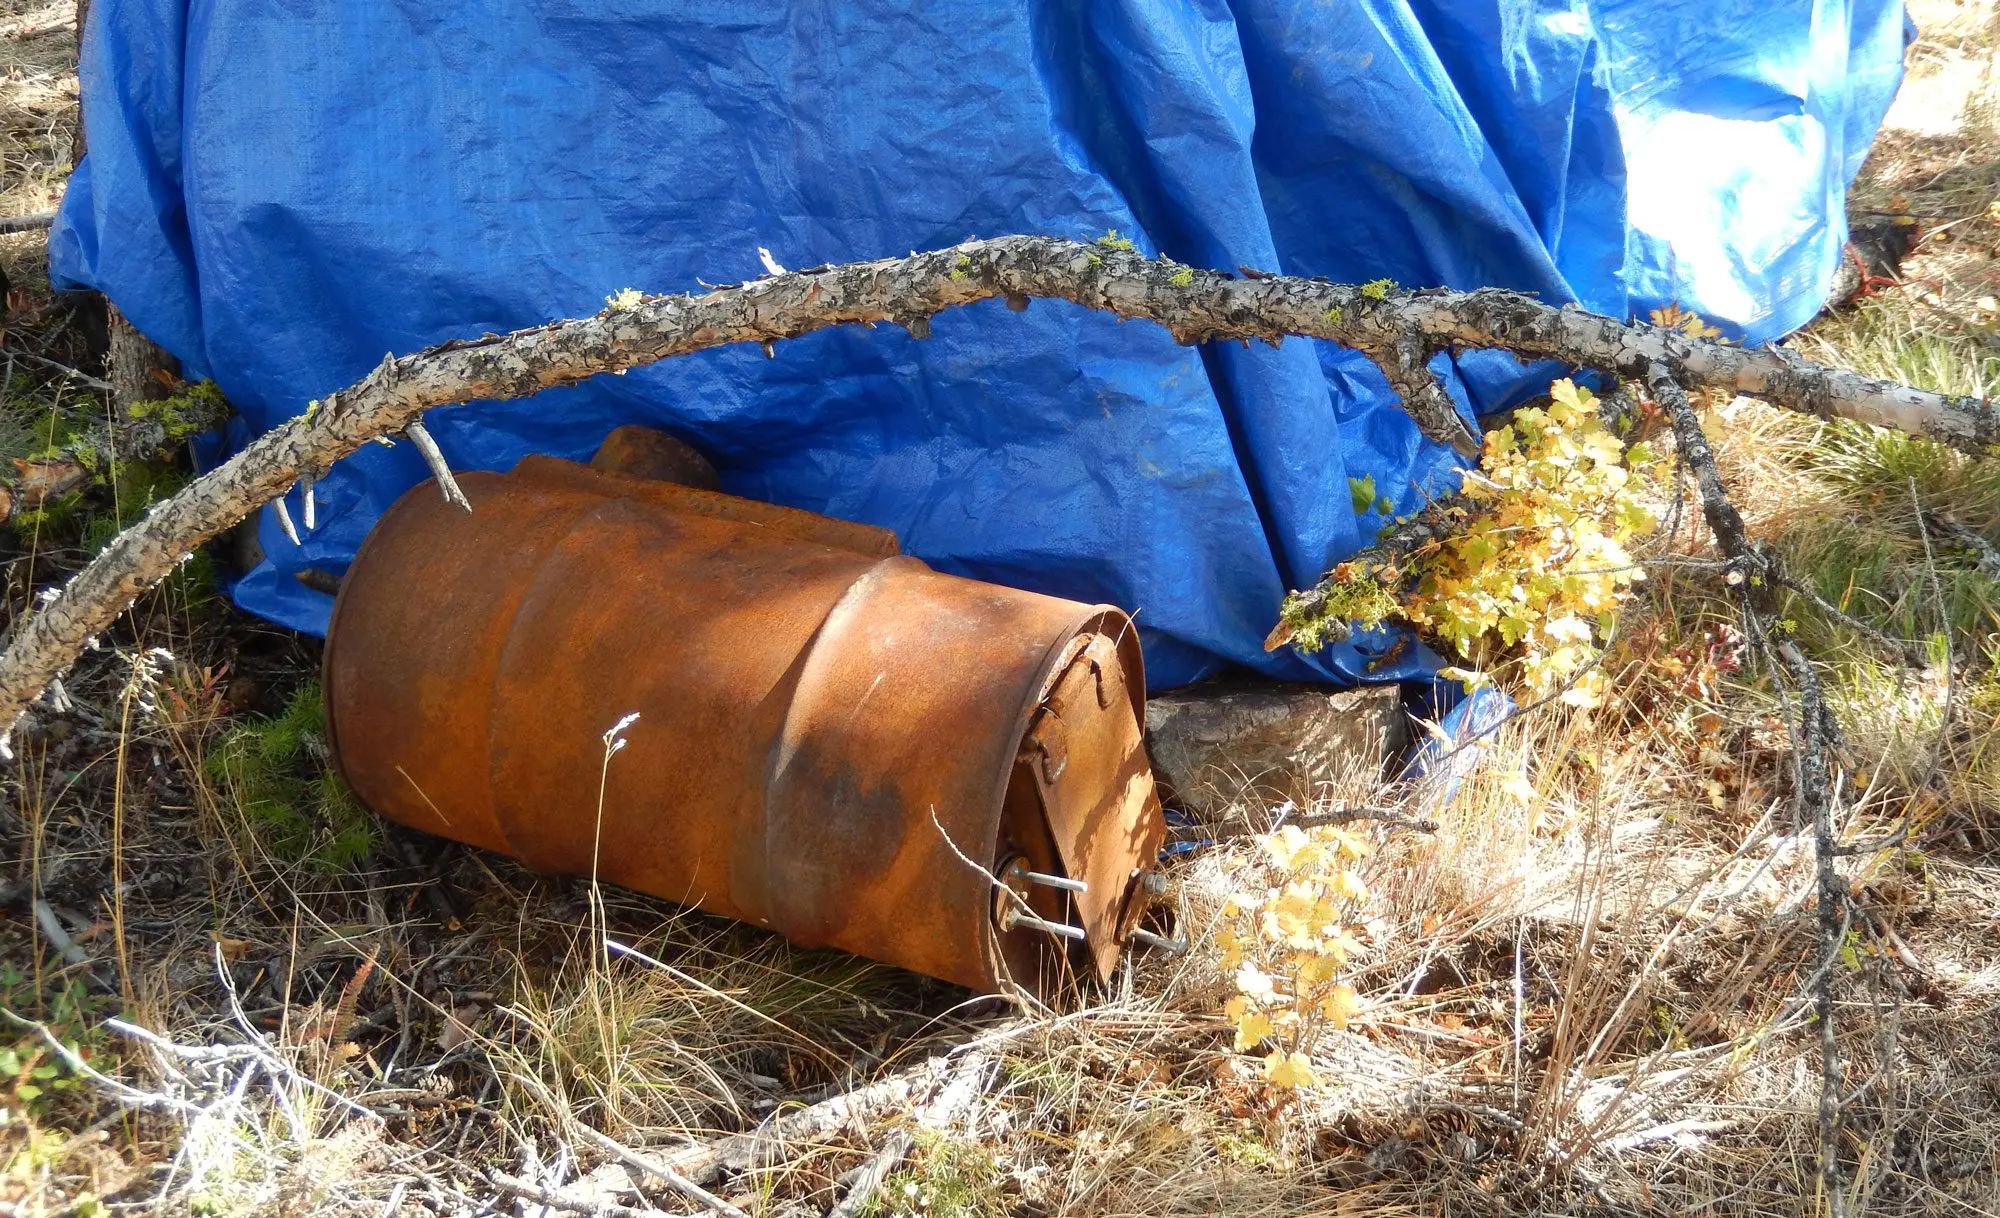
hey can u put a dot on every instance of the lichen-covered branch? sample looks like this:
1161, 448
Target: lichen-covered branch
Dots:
1366, 588
149, 428
1405, 364
1194, 305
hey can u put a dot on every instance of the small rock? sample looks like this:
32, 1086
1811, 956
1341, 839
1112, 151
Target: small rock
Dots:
1219, 745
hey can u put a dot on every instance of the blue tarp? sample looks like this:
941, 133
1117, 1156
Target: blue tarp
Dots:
281, 191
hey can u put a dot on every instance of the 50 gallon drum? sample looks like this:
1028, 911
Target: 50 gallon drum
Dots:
834, 741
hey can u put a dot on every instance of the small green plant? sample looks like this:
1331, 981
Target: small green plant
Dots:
1378, 289
1356, 595
946, 1179
33, 1078
275, 772
1112, 241
1362, 492
623, 300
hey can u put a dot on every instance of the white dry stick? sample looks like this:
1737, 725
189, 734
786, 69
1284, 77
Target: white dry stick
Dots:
307, 511
395, 1201
660, 1171
1689, 1133
285, 520
52, 930
127, 1095
1195, 306
434, 458
869, 1180
960, 1092
573, 1203
531, 1169
764, 1145
279, 1069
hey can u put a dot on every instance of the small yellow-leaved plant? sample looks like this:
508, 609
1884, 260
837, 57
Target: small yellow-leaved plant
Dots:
1536, 576
1286, 946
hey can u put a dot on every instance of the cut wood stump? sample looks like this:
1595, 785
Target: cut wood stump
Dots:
1221, 746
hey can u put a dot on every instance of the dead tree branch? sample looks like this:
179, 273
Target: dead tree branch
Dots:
1385, 561
1393, 327
1815, 735
570, 1203
27, 221
868, 1181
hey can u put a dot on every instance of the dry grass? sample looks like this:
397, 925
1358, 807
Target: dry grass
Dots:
1586, 990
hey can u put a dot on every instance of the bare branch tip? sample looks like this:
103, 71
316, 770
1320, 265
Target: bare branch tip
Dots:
285, 520
434, 458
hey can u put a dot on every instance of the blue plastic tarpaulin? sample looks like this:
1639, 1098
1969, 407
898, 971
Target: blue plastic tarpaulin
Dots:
282, 191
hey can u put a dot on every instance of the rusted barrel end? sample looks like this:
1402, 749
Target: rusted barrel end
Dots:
834, 741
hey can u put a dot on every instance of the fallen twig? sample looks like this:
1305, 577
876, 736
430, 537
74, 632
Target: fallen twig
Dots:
1985, 554
1392, 327
869, 1179
1337, 816
568, 1202
762, 1146
52, 930
660, 1171
1905, 652
122, 1092
271, 1063
82, 378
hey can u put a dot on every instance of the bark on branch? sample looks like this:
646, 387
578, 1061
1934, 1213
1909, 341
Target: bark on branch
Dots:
1194, 305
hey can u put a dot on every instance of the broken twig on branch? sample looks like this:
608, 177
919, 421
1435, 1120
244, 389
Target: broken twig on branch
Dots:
1392, 327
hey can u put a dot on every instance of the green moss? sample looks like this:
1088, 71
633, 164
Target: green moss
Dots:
1183, 278
1112, 241
961, 268
1336, 316
1378, 289
275, 773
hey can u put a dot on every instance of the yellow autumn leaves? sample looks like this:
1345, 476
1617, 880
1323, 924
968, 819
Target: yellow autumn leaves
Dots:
1539, 573
1285, 946
1673, 317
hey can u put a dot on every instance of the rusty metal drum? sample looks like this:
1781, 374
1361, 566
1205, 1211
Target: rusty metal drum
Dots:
833, 740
